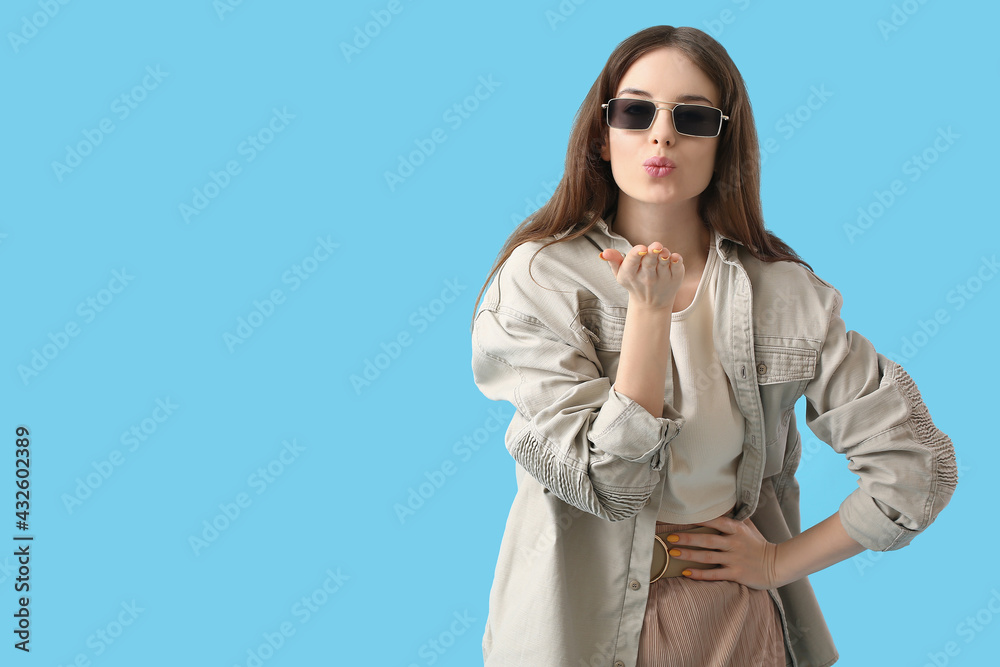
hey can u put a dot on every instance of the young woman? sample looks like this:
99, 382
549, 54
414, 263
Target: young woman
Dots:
654, 338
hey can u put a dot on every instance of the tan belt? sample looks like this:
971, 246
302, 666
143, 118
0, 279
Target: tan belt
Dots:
665, 565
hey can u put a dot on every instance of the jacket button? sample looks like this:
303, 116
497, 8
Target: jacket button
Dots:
761, 369
619, 663
634, 584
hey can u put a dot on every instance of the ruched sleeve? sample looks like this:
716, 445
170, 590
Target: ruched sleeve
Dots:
868, 408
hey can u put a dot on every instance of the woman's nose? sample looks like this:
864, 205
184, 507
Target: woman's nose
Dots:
662, 130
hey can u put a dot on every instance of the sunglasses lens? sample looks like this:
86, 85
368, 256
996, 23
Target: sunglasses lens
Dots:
697, 120
630, 114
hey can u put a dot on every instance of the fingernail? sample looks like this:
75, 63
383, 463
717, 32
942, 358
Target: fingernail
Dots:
641, 253
672, 538
601, 255
676, 553
665, 257
674, 261
657, 251
686, 573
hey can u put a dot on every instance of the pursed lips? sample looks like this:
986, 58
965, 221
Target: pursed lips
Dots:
657, 161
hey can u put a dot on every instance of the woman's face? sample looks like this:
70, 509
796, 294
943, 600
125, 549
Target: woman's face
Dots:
665, 75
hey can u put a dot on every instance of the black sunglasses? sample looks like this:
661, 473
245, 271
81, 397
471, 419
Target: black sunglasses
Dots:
693, 120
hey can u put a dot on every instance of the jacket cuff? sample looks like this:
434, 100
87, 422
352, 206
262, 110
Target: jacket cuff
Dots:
868, 525
625, 429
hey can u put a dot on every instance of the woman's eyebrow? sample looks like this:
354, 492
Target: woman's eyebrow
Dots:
687, 97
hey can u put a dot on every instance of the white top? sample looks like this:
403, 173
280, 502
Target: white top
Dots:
700, 479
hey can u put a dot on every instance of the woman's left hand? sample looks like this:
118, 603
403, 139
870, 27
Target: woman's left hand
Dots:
742, 553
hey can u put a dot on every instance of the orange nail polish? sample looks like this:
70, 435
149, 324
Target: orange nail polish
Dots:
686, 573
672, 538
640, 253
601, 255
676, 553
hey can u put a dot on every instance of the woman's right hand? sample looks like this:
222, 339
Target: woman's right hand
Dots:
652, 275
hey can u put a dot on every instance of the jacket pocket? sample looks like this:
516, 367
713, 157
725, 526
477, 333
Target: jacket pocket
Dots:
781, 363
605, 329
783, 372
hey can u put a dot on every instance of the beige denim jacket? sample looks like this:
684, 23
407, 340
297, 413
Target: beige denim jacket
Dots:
572, 575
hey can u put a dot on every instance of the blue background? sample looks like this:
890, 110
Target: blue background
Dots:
406, 264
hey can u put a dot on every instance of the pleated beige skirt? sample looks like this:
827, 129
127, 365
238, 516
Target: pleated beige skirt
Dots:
692, 623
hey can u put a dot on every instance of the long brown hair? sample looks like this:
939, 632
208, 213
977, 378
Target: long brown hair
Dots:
730, 203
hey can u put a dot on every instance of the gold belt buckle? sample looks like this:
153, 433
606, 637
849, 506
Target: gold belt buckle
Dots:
662, 554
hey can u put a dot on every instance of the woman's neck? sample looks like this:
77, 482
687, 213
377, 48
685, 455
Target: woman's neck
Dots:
677, 226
